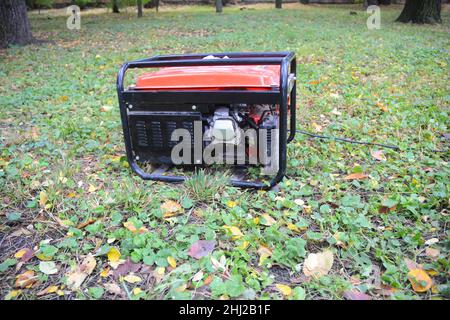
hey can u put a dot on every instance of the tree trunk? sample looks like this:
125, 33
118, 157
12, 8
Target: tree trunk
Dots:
421, 11
14, 24
278, 4
139, 8
219, 6
115, 6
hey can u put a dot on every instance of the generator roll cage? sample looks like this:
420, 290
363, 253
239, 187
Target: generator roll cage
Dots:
288, 66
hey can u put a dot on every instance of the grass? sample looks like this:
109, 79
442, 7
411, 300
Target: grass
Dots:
66, 190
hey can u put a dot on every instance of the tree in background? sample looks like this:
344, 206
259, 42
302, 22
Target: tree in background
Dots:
278, 4
139, 8
115, 6
219, 6
14, 24
421, 11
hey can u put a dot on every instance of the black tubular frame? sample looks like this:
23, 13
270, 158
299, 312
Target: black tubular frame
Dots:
288, 66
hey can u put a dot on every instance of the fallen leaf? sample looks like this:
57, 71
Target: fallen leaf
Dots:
431, 241
104, 273
198, 276
284, 289
131, 278
299, 202
378, 155
125, 268
231, 204
420, 280
43, 199
412, 264
85, 223
171, 208
208, 280
48, 290
91, 188
113, 288
201, 248
105, 108
172, 262
432, 253
158, 274
113, 254
356, 295
24, 254
77, 275
293, 227
317, 127
382, 107
267, 220
13, 294
235, 232
48, 267
318, 264
356, 176
137, 291
130, 226
26, 279
264, 252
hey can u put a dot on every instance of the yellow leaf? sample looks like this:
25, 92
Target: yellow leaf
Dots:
420, 280
48, 290
131, 278
172, 262
293, 227
113, 254
43, 199
171, 208
64, 98
13, 294
318, 264
137, 290
19, 254
284, 289
235, 232
244, 245
231, 204
181, 288
104, 273
268, 220
91, 188
264, 253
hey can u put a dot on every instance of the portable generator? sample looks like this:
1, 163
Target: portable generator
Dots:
203, 109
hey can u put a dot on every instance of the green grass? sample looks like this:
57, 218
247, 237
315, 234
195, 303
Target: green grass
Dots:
61, 161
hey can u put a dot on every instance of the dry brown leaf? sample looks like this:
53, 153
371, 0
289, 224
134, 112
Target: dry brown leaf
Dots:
77, 275
432, 253
26, 279
113, 288
130, 226
378, 155
318, 264
356, 176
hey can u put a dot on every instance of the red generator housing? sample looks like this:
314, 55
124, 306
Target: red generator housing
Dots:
217, 99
